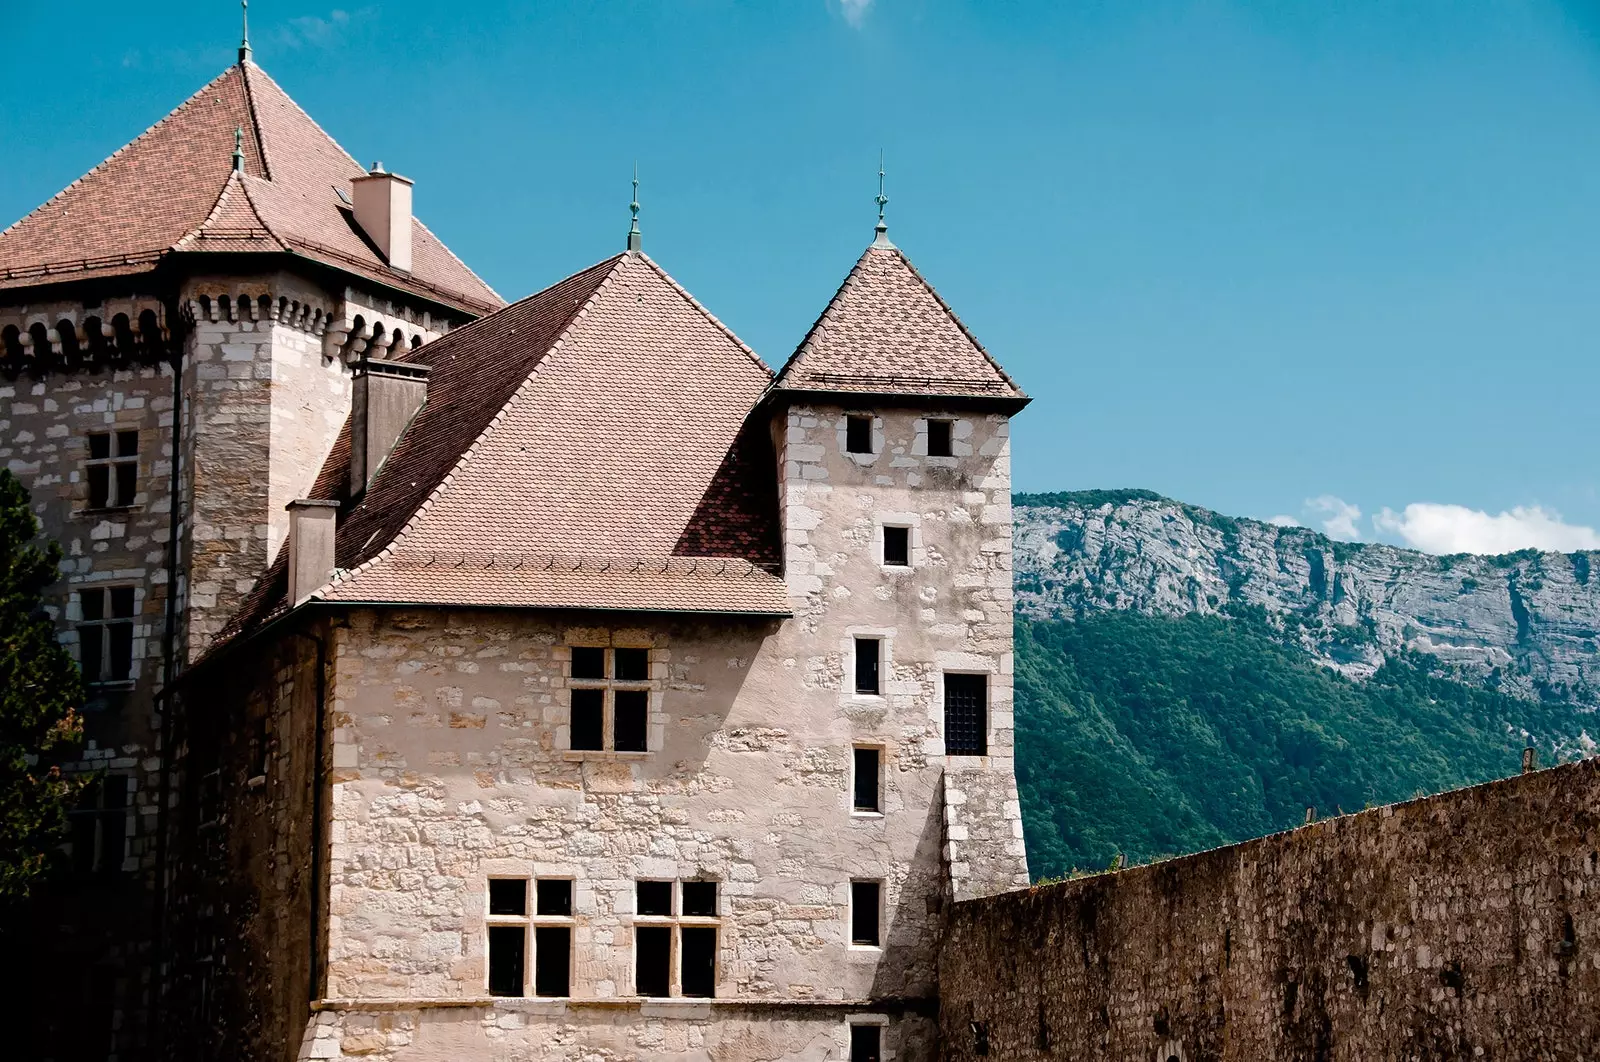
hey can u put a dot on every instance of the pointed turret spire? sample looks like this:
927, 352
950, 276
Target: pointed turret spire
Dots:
635, 239
882, 228
238, 149
244, 38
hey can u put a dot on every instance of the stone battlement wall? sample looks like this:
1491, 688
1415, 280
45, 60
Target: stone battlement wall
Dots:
1465, 925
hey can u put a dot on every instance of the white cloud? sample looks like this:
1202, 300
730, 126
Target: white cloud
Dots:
1435, 528
1338, 517
854, 10
1282, 520
312, 31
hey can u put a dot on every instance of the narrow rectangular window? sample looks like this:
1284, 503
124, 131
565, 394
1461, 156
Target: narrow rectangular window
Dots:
866, 1043
112, 470
588, 719
552, 956
966, 715
105, 633
867, 665
939, 438
652, 960
99, 826
506, 948
632, 723
699, 974
858, 435
897, 547
864, 912
866, 787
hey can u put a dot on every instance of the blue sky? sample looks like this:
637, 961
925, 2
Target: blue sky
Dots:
1309, 260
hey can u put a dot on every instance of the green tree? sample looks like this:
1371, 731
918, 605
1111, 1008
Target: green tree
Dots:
40, 692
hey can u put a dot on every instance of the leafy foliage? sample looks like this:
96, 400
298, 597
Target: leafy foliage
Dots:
40, 692
1155, 736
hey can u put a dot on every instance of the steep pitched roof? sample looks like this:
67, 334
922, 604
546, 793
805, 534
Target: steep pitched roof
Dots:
887, 332
173, 189
587, 447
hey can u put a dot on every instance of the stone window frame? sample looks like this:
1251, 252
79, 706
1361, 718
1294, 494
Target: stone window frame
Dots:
850, 912
102, 820
652, 686
114, 462
961, 430
875, 434
883, 764
884, 636
492, 921
677, 921
101, 628
878, 1021
916, 553
538, 920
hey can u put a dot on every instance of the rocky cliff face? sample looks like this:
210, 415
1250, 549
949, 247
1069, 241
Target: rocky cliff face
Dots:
1527, 623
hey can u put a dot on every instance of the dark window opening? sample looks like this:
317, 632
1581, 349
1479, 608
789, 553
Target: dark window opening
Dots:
259, 746
655, 898
864, 912
966, 715
700, 899
113, 469
508, 896
588, 662
99, 826
506, 944
105, 633
897, 547
867, 665
632, 665
552, 959
588, 719
652, 959
939, 438
980, 1037
866, 787
699, 975
858, 435
632, 720
553, 897
866, 1043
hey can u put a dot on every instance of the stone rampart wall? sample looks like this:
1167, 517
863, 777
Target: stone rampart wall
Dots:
1465, 925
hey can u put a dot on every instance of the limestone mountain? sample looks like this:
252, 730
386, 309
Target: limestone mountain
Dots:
1527, 623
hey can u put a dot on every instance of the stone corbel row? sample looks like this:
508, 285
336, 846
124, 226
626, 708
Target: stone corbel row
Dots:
137, 336
356, 339
291, 313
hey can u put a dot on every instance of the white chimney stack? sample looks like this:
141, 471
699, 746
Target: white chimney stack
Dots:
382, 202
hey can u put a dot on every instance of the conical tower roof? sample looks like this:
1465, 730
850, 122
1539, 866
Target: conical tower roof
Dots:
886, 332
173, 190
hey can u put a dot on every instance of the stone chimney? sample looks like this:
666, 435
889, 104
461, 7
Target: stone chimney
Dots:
385, 395
312, 523
382, 205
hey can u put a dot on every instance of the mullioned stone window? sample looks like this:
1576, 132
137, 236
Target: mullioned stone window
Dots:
105, 634
112, 469
686, 929
610, 690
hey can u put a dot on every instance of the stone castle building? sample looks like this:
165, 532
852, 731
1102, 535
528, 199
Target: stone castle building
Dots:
549, 680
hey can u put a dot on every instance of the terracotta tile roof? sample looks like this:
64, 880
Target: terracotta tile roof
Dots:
586, 447
173, 188
887, 332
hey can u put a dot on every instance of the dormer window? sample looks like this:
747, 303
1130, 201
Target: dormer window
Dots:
939, 438
858, 435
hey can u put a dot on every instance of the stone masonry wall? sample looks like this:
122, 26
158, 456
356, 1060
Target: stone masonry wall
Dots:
1461, 926
949, 612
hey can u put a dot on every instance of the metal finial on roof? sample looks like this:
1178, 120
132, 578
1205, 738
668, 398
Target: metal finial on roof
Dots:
244, 39
238, 149
882, 228
635, 240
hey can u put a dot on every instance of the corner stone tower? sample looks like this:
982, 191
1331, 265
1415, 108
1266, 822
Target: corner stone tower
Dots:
181, 320
893, 439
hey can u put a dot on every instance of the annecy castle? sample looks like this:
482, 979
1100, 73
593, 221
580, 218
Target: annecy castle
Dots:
555, 680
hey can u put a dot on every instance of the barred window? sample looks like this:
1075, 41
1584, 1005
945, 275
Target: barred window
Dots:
112, 468
966, 715
105, 633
